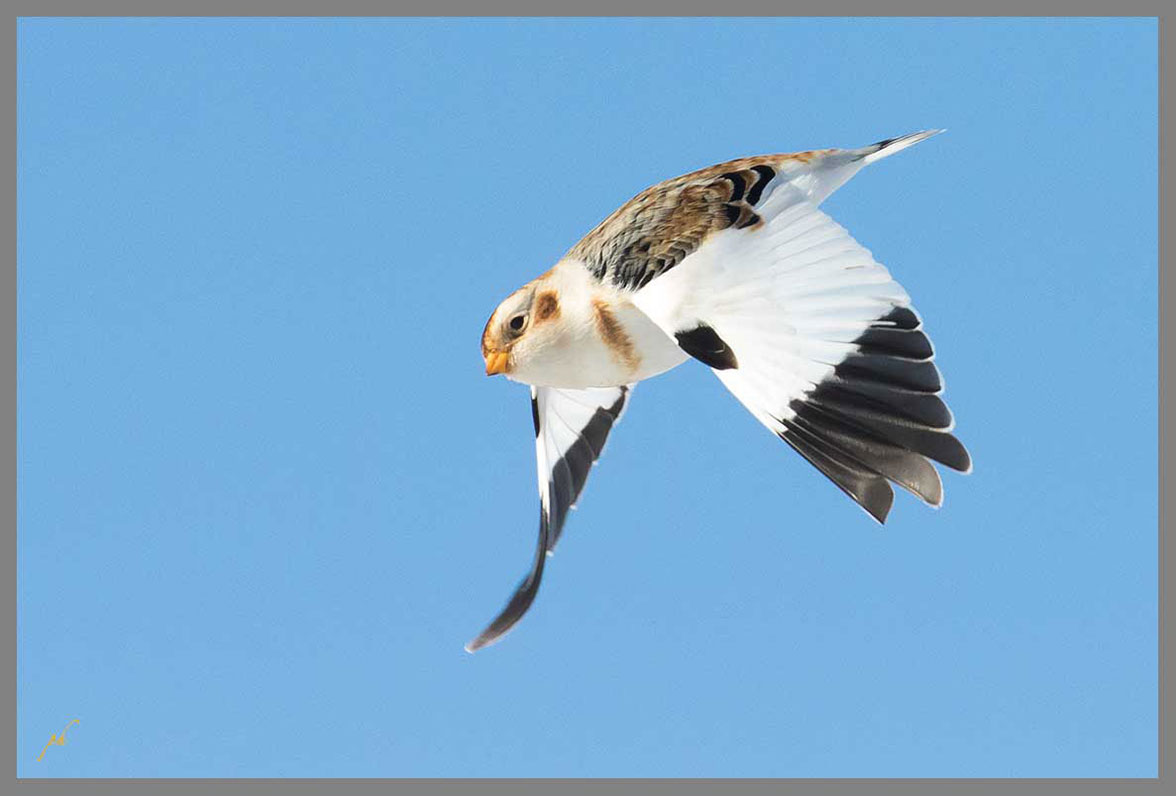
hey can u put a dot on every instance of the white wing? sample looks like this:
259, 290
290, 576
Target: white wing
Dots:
571, 427
819, 342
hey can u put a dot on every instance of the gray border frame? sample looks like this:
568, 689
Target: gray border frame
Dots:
8, 311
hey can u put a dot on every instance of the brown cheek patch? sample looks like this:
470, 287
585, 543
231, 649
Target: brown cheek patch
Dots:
546, 306
614, 336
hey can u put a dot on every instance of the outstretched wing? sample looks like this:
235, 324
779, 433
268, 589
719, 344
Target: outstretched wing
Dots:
571, 427
818, 341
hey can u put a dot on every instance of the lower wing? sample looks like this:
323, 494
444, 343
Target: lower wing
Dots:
819, 342
571, 427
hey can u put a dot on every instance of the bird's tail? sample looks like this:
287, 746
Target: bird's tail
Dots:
884, 149
837, 166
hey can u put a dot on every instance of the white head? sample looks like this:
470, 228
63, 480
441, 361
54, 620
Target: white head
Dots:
565, 329
528, 335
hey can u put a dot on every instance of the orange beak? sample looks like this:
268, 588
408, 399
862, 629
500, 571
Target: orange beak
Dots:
496, 362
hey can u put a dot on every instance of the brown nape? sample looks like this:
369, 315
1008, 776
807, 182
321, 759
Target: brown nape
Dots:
613, 335
546, 306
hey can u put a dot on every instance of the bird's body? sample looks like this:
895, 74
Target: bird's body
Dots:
735, 266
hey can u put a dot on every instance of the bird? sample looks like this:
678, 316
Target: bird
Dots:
737, 267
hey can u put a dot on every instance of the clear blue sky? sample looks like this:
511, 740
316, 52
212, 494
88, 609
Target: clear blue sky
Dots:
266, 492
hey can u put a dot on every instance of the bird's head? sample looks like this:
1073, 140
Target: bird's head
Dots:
523, 326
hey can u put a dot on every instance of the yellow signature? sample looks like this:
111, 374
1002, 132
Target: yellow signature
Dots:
57, 740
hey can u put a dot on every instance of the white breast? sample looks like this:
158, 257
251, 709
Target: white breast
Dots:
656, 352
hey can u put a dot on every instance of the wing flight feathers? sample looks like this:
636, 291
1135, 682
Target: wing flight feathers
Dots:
571, 428
817, 340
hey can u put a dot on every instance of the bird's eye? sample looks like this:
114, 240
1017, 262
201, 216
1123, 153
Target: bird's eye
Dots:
517, 323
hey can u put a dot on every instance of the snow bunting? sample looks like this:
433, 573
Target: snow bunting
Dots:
735, 266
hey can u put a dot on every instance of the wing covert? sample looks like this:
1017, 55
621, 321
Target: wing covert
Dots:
664, 224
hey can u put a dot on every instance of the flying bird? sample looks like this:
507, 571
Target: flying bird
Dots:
737, 267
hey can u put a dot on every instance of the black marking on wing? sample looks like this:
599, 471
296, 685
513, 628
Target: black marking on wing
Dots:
895, 342
750, 219
740, 215
879, 417
565, 483
570, 473
766, 173
522, 598
738, 184
891, 372
704, 344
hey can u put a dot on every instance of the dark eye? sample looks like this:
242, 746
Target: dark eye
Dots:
517, 322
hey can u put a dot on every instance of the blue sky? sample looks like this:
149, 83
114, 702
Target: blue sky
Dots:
266, 492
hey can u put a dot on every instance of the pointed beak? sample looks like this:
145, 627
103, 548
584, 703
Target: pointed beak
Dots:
496, 362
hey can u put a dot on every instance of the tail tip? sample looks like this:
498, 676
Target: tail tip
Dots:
890, 146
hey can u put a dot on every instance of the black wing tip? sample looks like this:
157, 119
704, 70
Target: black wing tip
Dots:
889, 390
518, 606
524, 594
485, 639
878, 418
877, 499
963, 462
871, 442
867, 488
